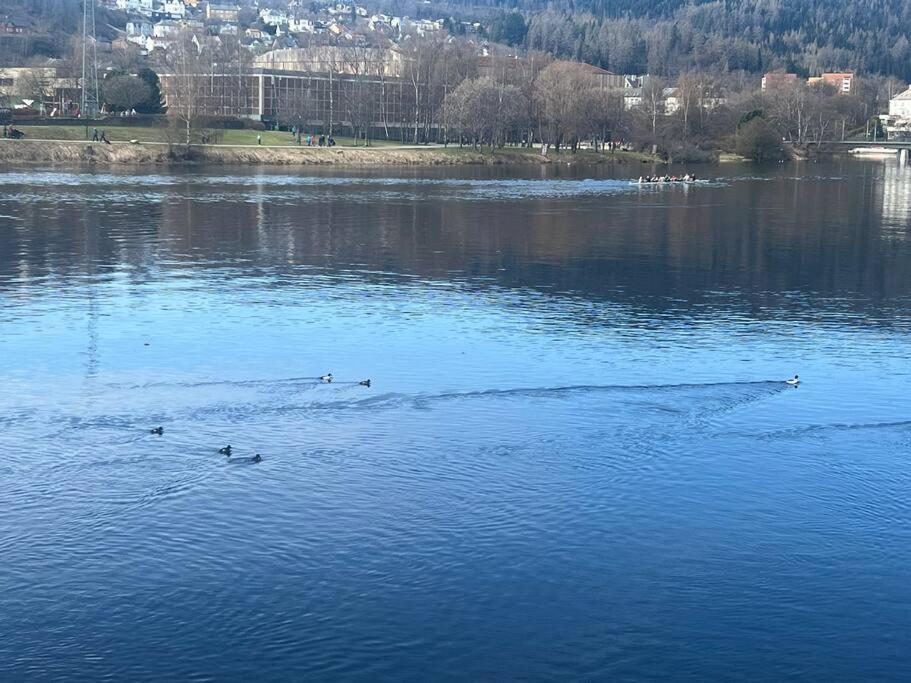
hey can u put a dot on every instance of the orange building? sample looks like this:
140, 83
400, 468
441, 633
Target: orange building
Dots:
842, 82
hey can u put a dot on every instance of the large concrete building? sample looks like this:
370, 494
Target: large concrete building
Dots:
319, 102
326, 58
336, 88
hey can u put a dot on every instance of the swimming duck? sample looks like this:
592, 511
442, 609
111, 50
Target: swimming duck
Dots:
794, 382
157, 430
327, 378
364, 383
257, 458
226, 450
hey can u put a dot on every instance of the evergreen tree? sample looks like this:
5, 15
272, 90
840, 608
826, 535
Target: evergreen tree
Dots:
509, 28
154, 104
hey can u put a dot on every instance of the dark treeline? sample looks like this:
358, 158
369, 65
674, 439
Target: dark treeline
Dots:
672, 36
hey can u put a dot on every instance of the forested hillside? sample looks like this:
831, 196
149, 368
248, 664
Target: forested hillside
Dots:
667, 37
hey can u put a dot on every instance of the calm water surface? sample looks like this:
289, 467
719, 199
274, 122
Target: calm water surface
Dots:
577, 459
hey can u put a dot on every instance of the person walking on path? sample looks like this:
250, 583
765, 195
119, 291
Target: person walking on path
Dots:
94, 135
104, 138
259, 138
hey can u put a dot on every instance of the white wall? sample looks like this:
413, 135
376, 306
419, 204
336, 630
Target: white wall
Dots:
900, 107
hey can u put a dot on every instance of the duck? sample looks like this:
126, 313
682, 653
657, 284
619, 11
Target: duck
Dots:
794, 382
257, 458
364, 382
157, 430
327, 378
226, 450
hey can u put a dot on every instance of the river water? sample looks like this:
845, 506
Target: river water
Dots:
577, 458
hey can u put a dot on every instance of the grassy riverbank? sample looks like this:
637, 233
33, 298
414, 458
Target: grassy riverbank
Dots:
163, 135
34, 149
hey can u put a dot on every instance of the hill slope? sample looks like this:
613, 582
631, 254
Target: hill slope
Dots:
668, 36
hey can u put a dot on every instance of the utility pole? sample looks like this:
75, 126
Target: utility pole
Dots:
89, 102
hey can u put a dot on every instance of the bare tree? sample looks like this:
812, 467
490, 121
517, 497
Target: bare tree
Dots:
292, 106
230, 60
128, 58
485, 111
653, 103
789, 108
124, 92
596, 113
185, 84
525, 75
420, 65
457, 64
358, 93
689, 96
562, 96
463, 114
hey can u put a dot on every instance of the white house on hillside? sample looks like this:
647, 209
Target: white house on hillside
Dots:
273, 17
166, 29
174, 8
900, 105
301, 25
632, 98
143, 6
897, 123
139, 28
672, 101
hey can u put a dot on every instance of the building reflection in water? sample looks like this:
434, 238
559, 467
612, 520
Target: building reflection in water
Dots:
816, 230
896, 200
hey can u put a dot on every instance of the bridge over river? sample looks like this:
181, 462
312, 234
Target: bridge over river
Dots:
900, 147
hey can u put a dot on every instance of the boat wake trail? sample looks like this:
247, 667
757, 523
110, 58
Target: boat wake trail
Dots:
723, 396
276, 401
315, 379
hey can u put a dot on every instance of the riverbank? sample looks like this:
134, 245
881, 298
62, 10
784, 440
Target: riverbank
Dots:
79, 152
164, 134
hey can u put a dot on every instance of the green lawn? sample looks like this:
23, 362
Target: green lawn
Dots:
155, 134
285, 139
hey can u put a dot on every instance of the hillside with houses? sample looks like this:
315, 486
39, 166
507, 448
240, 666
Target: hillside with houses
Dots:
29, 29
